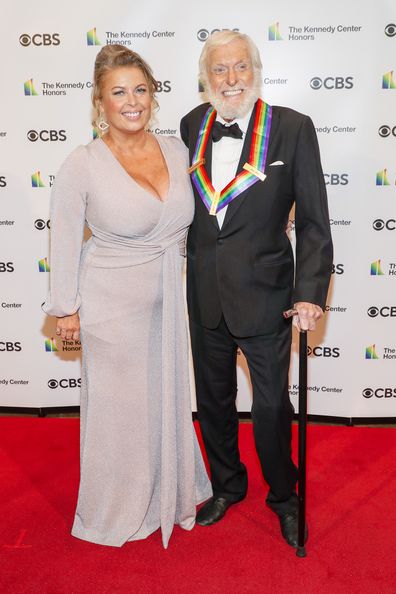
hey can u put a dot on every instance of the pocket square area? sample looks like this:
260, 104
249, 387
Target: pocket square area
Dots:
276, 163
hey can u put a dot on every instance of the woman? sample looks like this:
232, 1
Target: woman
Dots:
141, 467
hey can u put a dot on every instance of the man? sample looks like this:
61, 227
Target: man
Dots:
249, 164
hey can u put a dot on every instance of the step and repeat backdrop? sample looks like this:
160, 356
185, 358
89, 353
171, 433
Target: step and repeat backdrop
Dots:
335, 62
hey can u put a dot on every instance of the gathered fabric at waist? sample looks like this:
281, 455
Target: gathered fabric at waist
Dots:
110, 251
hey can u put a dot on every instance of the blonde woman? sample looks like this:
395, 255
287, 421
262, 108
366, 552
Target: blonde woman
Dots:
141, 467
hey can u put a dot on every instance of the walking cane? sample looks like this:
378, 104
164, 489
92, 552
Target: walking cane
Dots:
302, 434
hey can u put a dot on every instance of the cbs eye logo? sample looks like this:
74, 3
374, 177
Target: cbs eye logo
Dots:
324, 351
32, 135
368, 392
315, 83
39, 39
387, 311
46, 135
64, 383
40, 224
203, 34
385, 131
25, 40
379, 392
380, 224
331, 82
390, 30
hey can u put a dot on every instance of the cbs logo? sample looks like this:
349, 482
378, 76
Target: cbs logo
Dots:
41, 224
379, 392
64, 383
385, 131
7, 267
337, 269
163, 86
10, 346
46, 135
380, 224
39, 39
323, 352
390, 30
203, 34
384, 312
337, 82
336, 179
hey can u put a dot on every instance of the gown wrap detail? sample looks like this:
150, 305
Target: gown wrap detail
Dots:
141, 466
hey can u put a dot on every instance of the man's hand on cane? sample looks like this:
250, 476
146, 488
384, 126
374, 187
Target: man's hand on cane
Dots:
307, 315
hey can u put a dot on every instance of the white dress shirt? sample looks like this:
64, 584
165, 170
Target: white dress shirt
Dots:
225, 158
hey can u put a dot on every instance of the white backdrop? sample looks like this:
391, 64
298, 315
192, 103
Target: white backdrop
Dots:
336, 62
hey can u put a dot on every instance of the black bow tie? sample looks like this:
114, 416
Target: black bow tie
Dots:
219, 130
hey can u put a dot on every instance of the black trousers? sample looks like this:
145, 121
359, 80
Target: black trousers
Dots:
268, 359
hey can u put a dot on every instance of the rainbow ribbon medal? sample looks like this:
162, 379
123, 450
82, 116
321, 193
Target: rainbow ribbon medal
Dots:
253, 170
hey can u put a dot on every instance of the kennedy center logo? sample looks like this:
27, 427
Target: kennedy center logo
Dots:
370, 352
29, 89
37, 182
375, 268
273, 33
43, 265
50, 346
388, 81
382, 178
92, 38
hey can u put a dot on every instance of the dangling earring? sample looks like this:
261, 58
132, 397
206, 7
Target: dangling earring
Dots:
101, 123
153, 115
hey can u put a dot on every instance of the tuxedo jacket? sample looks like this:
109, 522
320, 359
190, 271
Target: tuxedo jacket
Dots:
245, 270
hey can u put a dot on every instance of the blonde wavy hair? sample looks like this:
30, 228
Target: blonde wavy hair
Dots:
109, 58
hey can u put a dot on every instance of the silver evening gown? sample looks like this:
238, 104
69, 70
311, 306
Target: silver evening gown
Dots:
141, 466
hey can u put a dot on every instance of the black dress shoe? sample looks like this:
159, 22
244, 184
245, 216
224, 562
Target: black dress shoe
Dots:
289, 528
213, 511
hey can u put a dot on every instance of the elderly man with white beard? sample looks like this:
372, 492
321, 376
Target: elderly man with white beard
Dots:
249, 163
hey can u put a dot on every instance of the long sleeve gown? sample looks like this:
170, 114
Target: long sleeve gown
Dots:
141, 466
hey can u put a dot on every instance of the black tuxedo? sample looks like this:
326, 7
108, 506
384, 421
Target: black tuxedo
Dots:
246, 270
240, 279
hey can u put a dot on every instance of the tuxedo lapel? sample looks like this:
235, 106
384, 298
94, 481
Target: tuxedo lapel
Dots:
235, 204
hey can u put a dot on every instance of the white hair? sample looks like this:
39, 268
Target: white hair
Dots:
222, 38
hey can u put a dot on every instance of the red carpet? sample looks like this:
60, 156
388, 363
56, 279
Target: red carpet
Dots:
351, 514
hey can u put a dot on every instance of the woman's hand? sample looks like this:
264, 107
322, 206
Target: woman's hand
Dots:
68, 328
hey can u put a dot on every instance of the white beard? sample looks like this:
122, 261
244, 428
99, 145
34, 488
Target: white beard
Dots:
233, 112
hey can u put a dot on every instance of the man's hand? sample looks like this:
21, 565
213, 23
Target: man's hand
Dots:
68, 328
308, 314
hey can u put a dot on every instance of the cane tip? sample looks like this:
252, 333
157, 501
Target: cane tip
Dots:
301, 552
